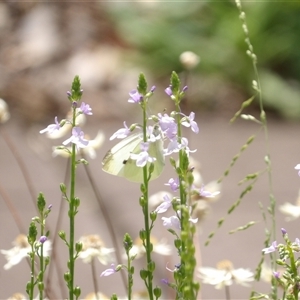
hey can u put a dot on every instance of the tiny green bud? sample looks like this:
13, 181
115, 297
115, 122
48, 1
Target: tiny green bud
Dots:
63, 188
76, 202
118, 268
142, 234
62, 235
143, 188
142, 84
78, 247
144, 274
28, 287
157, 292
114, 297
41, 286
83, 161
41, 203
142, 201
177, 243
47, 260
153, 216
127, 241
67, 277
32, 233
77, 292
173, 162
151, 266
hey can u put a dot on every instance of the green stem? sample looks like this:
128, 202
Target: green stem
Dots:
146, 213
72, 224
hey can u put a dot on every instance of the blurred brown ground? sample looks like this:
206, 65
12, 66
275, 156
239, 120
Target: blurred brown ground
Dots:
42, 47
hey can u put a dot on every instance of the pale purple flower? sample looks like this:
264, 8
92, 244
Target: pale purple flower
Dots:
168, 125
172, 221
153, 134
283, 231
173, 183
276, 274
109, 271
135, 97
297, 242
121, 133
298, 168
168, 91
188, 121
86, 109
43, 239
270, 249
52, 127
77, 138
153, 89
163, 207
143, 157
206, 194
174, 146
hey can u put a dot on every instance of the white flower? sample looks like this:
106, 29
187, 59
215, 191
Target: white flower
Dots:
17, 296
225, 275
4, 113
291, 211
93, 246
64, 130
157, 198
189, 59
161, 247
92, 296
21, 250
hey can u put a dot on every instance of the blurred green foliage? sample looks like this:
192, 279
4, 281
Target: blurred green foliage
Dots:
158, 33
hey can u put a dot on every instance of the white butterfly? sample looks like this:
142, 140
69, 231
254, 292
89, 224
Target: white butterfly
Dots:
117, 161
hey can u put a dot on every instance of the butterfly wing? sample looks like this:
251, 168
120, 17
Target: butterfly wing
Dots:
115, 159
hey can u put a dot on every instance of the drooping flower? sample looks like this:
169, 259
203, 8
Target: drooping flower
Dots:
121, 133
163, 207
135, 97
168, 126
77, 138
109, 271
52, 127
206, 193
93, 247
188, 121
89, 150
173, 183
225, 275
160, 247
270, 249
172, 221
85, 109
157, 199
143, 157
169, 91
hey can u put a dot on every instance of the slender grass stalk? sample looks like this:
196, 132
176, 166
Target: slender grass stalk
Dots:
106, 217
54, 256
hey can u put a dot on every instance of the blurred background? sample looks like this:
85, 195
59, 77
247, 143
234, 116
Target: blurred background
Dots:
44, 45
